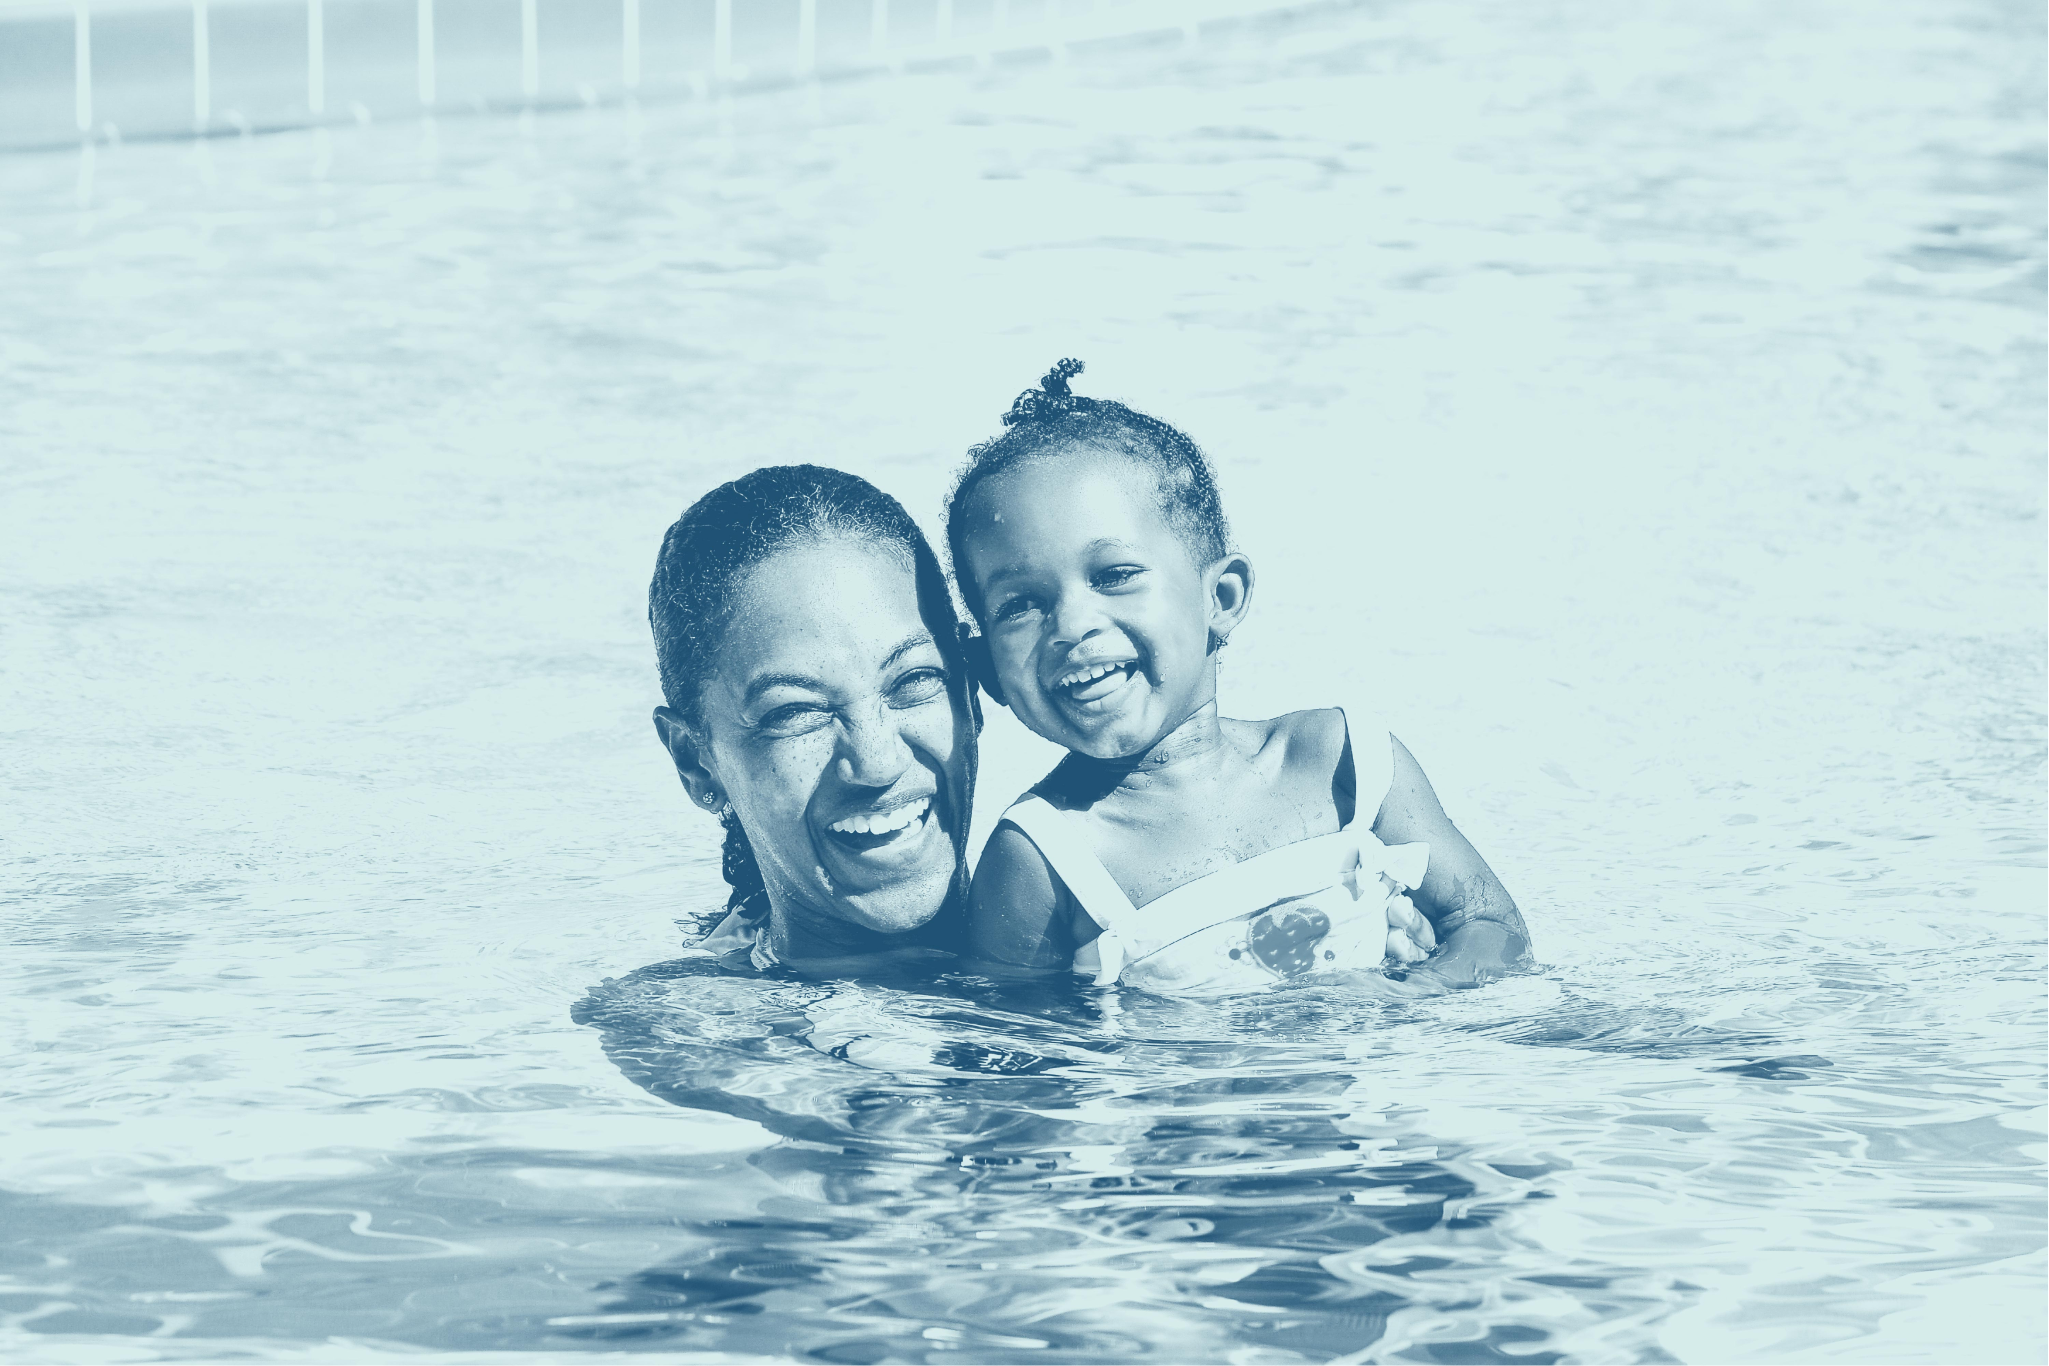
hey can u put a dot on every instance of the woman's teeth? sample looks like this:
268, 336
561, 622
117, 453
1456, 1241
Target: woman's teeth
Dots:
1089, 674
883, 822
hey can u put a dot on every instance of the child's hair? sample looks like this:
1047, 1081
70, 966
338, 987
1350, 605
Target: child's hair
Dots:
726, 533
1050, 419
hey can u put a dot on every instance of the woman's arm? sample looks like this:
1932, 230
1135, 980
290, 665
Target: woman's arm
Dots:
1480, 933
1019, 914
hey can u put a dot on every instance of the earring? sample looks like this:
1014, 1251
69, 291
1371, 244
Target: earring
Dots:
712, 799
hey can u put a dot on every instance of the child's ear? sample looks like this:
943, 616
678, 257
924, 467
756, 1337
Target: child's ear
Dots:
1230, 595
981, 668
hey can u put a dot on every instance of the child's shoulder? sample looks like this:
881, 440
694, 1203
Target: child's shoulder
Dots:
1321, 734
1313, 738
1070, 787
1343, 752
1313, 726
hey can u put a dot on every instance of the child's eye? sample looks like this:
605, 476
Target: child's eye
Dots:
1009, 609
1117, 575
918, 687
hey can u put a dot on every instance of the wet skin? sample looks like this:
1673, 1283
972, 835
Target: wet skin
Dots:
836, 728
1098, 618
1102, 630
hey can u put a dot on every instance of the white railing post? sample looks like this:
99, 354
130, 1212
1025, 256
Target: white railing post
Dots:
807, 36
529, 48
202, 69
316, 57
629, 45
721, 39
878, 26
425, 77
81, 66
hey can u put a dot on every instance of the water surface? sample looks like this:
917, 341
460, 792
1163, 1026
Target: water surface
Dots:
1641, 407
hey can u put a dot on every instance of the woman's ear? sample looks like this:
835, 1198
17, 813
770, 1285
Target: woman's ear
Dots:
1230, 596
981, 668
689, 758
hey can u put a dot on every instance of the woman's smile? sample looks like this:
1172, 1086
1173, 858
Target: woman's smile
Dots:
883, 823
871, 848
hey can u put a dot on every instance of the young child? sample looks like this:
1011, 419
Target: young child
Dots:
1175, 849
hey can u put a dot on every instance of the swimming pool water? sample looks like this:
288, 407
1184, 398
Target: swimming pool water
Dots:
1641, 405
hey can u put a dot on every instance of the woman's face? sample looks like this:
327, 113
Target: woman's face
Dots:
841, 736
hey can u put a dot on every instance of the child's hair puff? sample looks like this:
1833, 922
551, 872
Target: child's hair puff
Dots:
1052, 419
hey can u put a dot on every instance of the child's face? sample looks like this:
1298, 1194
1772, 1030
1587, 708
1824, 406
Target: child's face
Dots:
1097, 616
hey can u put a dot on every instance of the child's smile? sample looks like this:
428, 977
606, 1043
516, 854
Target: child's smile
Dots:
1094, 682
1095, 611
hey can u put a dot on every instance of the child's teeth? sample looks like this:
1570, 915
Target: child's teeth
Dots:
1088, 675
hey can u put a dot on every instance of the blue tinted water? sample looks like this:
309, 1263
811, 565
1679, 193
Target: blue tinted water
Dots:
1645, 405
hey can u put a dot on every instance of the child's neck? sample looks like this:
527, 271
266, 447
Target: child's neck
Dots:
1194, 752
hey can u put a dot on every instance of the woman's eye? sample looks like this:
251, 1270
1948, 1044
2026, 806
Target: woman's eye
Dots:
917, 687
794, 719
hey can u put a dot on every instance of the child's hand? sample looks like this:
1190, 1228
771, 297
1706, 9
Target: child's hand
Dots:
1402, 984
1409, 936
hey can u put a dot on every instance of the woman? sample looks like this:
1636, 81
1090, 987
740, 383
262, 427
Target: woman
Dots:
818, 704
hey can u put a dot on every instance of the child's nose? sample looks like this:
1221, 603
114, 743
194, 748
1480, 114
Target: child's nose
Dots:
1076, 617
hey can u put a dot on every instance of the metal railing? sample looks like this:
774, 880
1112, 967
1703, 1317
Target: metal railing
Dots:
914, 32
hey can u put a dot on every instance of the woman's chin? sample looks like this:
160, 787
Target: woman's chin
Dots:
863, 867
895, 885
898, 909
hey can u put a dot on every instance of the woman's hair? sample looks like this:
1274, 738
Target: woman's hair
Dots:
1050, 419
713, 545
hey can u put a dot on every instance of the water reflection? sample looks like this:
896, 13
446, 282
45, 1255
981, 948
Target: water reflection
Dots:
991, 1172
338, 793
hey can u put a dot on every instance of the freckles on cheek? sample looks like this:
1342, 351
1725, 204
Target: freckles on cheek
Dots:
779, 778
939, 728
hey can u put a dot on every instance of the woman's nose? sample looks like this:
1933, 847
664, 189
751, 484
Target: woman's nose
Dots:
872, 750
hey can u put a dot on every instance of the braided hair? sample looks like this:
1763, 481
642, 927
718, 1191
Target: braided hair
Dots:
713, 545
1053, 419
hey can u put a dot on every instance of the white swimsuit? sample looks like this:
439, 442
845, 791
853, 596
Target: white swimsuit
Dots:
1316, 906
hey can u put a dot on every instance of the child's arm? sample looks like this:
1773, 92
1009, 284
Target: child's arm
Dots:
1480, 933
1019, 913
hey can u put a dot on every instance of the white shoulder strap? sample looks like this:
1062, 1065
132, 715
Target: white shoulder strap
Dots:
1372, 763
1048, 827
1090, 883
